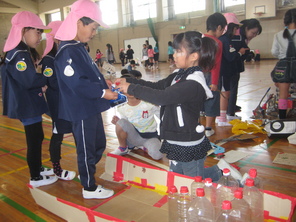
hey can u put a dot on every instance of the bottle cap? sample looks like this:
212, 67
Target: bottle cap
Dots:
249, 182
238, 194
198, 179
226, 171
173, 189
208, 181
200, 192
253, 173
226, 205
184, 189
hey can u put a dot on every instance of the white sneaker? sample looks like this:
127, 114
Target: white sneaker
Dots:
120, 152
233, 172
209, 132
46, 171
46, 180
233, 117
99, 193
67, 175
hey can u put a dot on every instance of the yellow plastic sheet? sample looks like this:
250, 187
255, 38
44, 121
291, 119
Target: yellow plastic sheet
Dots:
250, 127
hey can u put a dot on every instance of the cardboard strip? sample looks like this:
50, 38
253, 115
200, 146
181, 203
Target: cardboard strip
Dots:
161, 202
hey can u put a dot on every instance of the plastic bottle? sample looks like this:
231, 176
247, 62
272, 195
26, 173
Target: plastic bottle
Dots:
226, 186
197, 183
225, 213
255, 199
173, 204
257, 182
201, 209
240, 207
183, 204
210, 191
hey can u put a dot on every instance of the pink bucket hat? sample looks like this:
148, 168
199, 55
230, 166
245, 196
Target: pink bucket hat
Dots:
231, 18
55, 25
19, 21
79, 9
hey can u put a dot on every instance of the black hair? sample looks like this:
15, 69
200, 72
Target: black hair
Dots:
193, 42
170, 43
54, 49
250, 24
29, 28
86, 20
135, 73
132, 62
129, 46
150, 47
124, 71
289, 18
110, 48
98, 50
215, 20
230, 27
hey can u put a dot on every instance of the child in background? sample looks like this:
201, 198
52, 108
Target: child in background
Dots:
122, 56
98, 58
156, 55
137, 126
23, 87
181, 96
151, 57
129, 53
170, 54
59, 126
131, 66
215, 27
84, 93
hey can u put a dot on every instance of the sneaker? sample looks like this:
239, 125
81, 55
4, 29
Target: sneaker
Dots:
209, 132
46, 171
99, 193
67, 175
120, 151
234, 172
238, 109
233, 117
43, 180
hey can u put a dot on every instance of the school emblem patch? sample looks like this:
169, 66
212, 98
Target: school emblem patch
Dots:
48, 72
21, 66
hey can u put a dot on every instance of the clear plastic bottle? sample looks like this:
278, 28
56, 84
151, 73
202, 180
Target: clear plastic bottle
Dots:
197, 183
257, 182
225, 213
173, 204
240, 207
201, 209
183, 204
255, 199
210, 191
226, 186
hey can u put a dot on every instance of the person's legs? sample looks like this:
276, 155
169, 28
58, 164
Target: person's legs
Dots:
34, 138
152, 146
233, 94
283, 99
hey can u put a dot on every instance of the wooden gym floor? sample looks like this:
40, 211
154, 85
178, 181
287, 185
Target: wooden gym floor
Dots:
17, 204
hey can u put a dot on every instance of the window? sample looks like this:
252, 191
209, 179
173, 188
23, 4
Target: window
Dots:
109, 10
183, 6
143, 9
228, 3
55, 16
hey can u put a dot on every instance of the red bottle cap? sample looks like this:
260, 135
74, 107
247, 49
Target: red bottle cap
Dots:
249, 182
200, 192
173, 189
208, 180
253, 173
226, 205
198, 179
184, 189
238, 194
117, 83
226, 171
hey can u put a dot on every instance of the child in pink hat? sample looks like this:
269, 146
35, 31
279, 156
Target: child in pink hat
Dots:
60, 126
84, 93
23, 89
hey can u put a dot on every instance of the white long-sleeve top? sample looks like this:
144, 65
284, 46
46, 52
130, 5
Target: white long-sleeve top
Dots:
280, 45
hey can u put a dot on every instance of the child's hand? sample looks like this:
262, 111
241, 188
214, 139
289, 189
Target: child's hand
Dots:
44, 88
122, 85
110, 95
214, 87
109, 83
115, 119
119, 81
